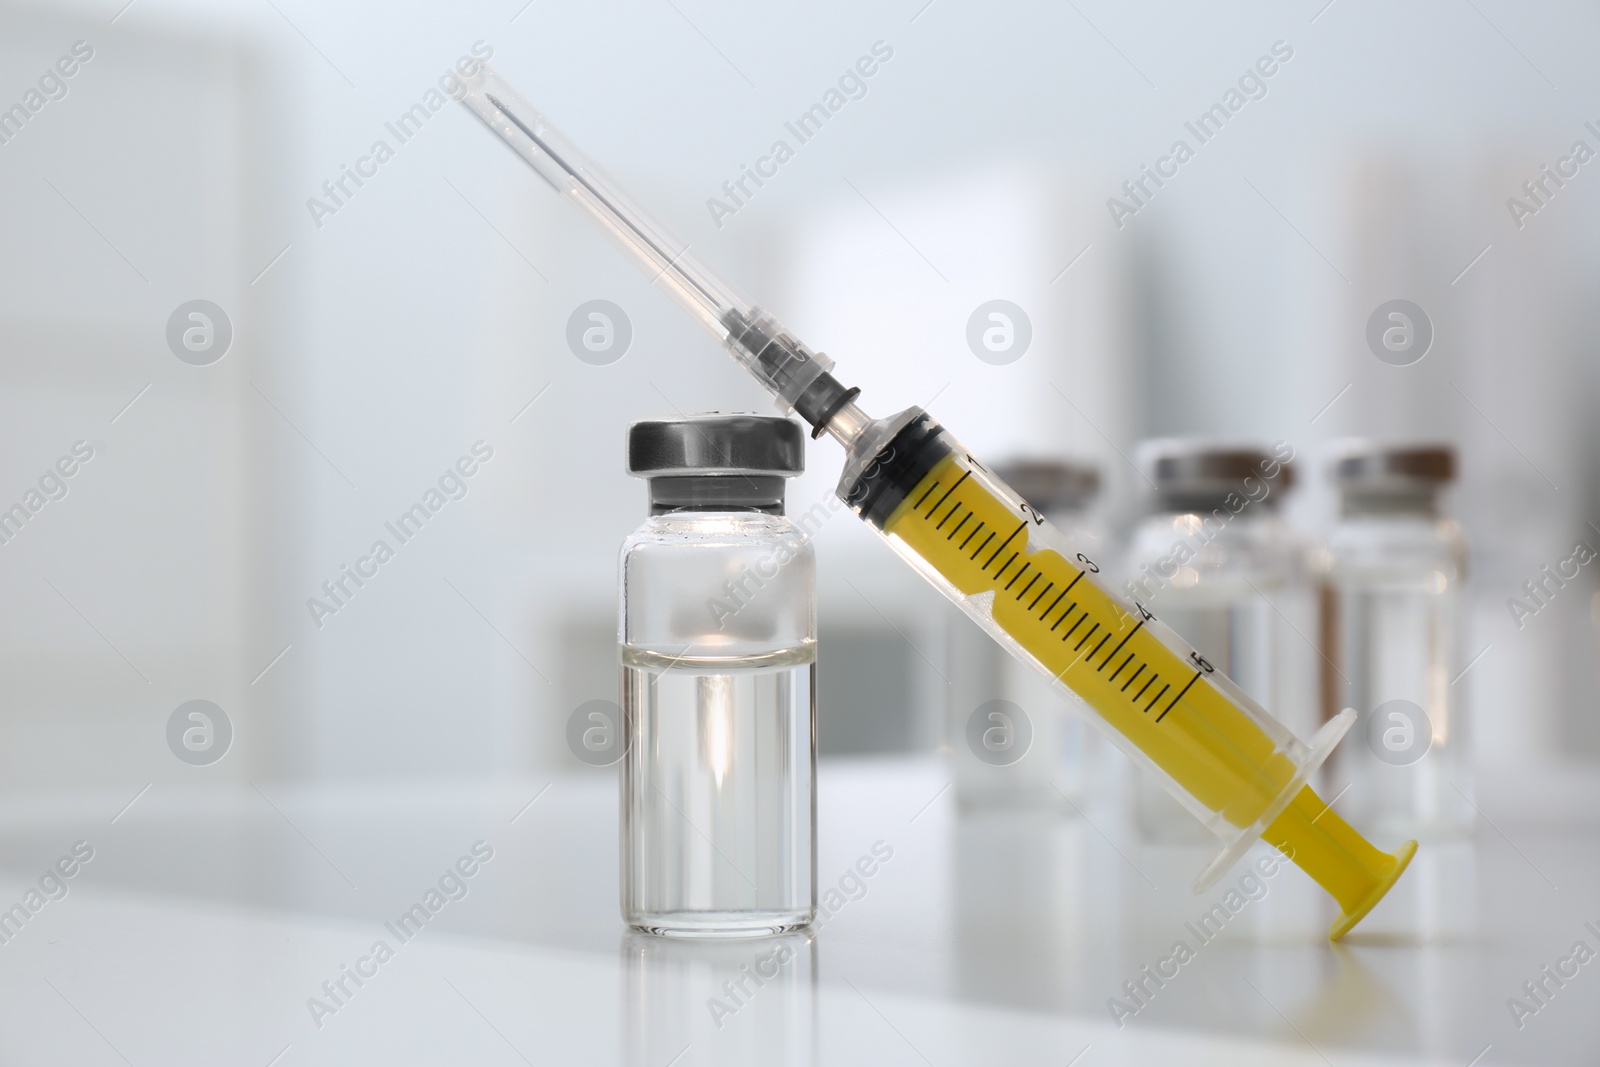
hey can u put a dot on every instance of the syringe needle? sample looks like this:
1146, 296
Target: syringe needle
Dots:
798, 377
663, 258
670, 260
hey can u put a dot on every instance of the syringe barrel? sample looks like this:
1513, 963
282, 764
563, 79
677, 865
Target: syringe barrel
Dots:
758, 341
1227, 760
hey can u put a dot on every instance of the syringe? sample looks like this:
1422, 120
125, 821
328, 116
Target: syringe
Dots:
1233, 765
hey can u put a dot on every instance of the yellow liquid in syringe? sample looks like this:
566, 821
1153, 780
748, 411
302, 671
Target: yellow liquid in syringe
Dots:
1159, 701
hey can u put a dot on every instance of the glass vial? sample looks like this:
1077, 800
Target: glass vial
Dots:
1391, 625
1217, 562
718, 646
1014, 741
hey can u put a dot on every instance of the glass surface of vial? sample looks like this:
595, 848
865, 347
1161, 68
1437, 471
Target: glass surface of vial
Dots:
1061, 765
1396, 565
718, 651
1215, 560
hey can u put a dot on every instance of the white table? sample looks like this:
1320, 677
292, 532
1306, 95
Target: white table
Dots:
206, 920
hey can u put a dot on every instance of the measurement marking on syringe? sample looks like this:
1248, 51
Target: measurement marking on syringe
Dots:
1087, 635
1114, 651
1019, 572
1020, 527
940, 503
1179, 697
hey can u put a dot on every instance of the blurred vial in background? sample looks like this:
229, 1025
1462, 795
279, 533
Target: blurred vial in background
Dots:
1013, 740
1391, 628
1217, 562
718, 641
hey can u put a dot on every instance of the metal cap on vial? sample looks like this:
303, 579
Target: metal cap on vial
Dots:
1391, 476
1052, 485
716, 461
1198, 475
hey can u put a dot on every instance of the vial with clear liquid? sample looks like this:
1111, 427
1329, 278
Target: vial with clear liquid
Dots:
1031, 749
1392, 626
718, 648
1215, 559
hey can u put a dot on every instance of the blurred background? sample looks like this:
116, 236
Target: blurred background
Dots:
377, 337
361, 334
